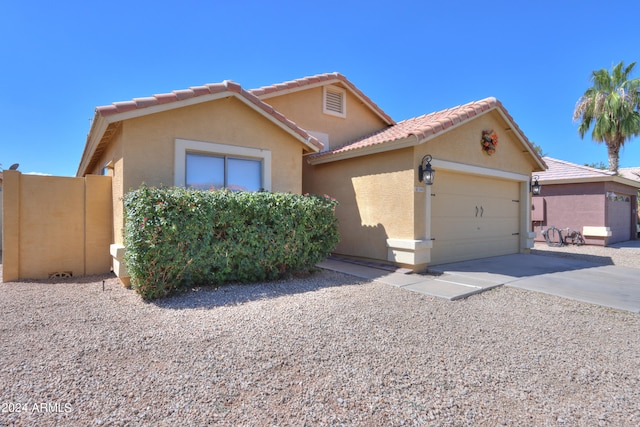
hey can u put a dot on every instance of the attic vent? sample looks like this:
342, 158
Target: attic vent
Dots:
334, 101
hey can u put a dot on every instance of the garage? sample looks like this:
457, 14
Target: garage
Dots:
477, 204
473, 216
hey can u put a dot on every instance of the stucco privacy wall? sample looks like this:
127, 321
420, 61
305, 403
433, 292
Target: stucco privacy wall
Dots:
55, 225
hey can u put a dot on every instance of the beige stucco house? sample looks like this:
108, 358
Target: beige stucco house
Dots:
322, 135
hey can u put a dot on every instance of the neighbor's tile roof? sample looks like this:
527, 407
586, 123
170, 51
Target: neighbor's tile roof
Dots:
563, 170
630, 173
429, 125
319, 79
198, 91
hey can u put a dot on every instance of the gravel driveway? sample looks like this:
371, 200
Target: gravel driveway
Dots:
327, 349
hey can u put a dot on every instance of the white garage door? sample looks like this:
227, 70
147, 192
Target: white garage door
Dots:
473, 217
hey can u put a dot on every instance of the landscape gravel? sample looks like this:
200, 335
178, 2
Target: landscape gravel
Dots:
325, 349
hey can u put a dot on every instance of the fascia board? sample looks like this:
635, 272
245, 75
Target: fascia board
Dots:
542, 166
168, 106
95, 136
365, 151
617, 179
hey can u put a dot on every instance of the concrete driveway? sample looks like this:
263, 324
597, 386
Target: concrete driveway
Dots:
607, 285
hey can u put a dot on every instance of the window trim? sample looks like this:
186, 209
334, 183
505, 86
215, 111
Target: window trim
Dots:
182, 146
343, 94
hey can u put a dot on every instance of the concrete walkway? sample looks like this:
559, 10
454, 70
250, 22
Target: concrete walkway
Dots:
607, 285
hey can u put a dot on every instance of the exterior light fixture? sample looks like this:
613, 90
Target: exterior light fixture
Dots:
536, 187
425, 173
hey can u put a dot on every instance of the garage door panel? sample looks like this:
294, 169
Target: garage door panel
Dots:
450, 228
447, 205
500, 226
449, 251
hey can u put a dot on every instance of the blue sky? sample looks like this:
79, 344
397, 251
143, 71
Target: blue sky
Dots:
62, 59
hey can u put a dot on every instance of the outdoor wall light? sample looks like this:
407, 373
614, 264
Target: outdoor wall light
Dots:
536, 187
425, 173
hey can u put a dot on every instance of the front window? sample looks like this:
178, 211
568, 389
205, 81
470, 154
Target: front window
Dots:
205, 172
210, 165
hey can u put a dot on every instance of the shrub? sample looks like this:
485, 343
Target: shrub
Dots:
178, 238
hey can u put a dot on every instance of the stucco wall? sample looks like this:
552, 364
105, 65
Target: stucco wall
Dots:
381, 196
114, 155
573, 206
376, 200
462, 145
149, 141
55, 225
305, 109
587, 204
0, 218
143, 150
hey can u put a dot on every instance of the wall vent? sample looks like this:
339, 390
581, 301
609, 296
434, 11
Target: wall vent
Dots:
61, 275
334, 101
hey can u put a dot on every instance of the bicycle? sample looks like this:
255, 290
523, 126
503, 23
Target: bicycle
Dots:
554, 236
573, 237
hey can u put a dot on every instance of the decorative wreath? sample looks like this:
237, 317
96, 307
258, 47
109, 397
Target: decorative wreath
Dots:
489, 141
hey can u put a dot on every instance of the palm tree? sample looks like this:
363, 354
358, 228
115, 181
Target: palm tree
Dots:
611, 106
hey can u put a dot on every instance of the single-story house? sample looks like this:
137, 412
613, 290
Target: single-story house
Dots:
634, 175
322, 135
598, 203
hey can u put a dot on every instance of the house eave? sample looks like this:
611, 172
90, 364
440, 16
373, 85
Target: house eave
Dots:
102, 122
98, 128
542, 166
364, 151
415, 139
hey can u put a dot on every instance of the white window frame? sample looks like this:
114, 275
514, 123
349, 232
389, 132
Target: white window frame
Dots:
343, 93
184, 146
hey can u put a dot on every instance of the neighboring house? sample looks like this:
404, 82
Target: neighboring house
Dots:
633, 174
598, 203
0, 211
322, 135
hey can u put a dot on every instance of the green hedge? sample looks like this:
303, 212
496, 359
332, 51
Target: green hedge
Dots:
177, 238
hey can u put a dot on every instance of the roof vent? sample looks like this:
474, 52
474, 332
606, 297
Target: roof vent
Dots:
334, 101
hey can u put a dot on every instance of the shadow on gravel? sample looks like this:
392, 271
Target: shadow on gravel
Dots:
237, 294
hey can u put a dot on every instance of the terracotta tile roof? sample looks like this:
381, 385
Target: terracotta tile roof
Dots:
199, 91
563, 170
319, 79
630, 173
429, 125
